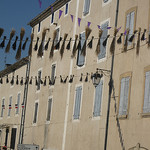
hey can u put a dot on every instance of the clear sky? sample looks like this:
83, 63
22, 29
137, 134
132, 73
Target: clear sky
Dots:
16, 14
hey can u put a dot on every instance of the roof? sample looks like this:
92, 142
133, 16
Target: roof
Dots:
14, 67
47, 12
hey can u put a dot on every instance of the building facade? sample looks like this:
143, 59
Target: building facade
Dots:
64, 110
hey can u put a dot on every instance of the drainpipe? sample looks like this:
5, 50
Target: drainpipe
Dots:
110, 84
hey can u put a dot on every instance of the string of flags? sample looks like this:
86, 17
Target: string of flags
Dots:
76, 46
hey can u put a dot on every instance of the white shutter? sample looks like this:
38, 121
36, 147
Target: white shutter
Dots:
18, 103
146, 106
102, 53
77, 103
57, 37
124, 95
49, 109
81, 58
98, 99
86, 7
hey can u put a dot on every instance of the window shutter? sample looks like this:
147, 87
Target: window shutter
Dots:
103, 37
13, 138
57, 37
86, 6
146, 106
53, 72
124, 94
131, 26
18, 103
35, 113
39, 79
81, 58
66, 10
77, 103
49, 109
10, 104
98, 99
2, 109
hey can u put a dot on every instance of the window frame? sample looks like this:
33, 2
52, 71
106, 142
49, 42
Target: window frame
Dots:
2, 109
77, 119
50, 98
146, 69
17, 109
125, 75
9, 110
83, 13
36, 102
133, 9
65, 9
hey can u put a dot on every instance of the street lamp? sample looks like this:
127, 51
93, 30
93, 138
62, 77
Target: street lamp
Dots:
96, 77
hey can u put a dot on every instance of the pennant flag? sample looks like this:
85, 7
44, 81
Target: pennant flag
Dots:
45, 81
81, 77
15, 43
60, 13
3, 42
86, 79
1, 31
24, 45
98, 26
132, 37
63, 45
10, 107
40, 3
79, 21
46, 46
125, 32
108, 28
143, 35
36, 45
105, 41
90, 44
16, 105
89, 23
118, 29
119, 41
68, 45
66, 79
138, 42
71, 17
52, 47
22, 105
30, 46
1, 81
126, 40
74, 46
71, 78
17, 81
30, 80
7, 80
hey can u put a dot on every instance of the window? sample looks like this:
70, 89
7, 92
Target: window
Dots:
146, 105
77, 103
39, 27
86, 7
10, 105
18, 103
80, 57
35, 113
66, 9
39, 80
98, 99
105, 1
53, 72
49, 109
124, 96
3, 107
102, 53
52, 19
130, 23
57, 37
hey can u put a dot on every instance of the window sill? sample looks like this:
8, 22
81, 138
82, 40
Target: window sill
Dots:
145, 115
122, 116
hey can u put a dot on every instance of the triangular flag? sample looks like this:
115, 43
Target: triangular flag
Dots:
89, 23
60, 13
98, 26
71, 17
119, 29
108, 28
51, 9
79, 21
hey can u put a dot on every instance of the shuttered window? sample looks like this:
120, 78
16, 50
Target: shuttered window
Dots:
80, 57
39, 26
35, 113
57, 37
10, 105
98, 99
49, 109
13, 138
130, 24
66, 9
39, 79
2, 107
146, 106
52, 18
86, 7
124, 96
102, 53
53, 72
18, 104
77, 103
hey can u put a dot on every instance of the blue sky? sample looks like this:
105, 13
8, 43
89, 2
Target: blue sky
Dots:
16, 14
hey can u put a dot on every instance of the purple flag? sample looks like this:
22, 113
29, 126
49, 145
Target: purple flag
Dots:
118, 29
60, 13
51, 9
79, 21
125, 32
40, 3
108, 28
89, 23
71, 17
99, 26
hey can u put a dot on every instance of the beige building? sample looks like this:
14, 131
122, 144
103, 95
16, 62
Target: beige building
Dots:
67, 112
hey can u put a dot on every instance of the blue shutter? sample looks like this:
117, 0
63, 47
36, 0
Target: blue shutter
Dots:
98, 99
104, 35
124, 94
66, 10
81, 58
146, 106
77, 103
86, 7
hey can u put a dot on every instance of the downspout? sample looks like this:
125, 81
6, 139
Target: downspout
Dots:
110, 84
